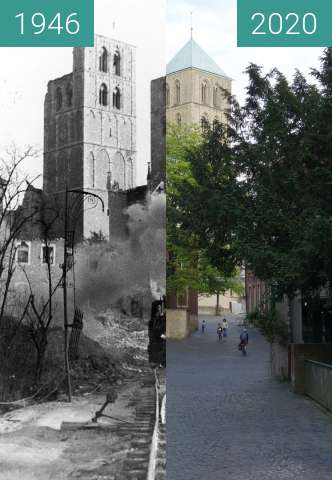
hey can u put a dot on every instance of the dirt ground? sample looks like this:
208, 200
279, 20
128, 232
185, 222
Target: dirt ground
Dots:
43, 443
57, 440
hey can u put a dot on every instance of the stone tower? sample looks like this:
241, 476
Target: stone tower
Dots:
90, 128
194, 87
194, 92
158, 132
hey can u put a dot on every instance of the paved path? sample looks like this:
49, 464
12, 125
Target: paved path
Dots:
228, 420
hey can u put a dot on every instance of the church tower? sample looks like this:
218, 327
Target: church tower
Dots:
195, 84
90, 128
195, 87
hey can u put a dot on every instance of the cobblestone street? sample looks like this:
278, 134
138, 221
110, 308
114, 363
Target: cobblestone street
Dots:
228, 420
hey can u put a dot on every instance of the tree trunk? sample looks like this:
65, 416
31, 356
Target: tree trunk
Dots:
218, 304
40, 358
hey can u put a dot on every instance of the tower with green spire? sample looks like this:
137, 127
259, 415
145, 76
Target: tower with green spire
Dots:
195, 86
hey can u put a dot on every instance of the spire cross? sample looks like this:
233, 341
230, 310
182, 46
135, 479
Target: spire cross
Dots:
191, 25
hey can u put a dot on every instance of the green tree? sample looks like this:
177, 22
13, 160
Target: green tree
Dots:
213, 283
261, 189
182, 252
189, 264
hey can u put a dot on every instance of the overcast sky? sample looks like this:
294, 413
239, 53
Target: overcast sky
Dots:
24, 74
214, 23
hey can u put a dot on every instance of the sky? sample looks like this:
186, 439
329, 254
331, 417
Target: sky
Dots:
25, 72
214, 29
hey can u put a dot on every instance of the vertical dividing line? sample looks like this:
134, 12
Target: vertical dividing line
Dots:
155, 437
65, 307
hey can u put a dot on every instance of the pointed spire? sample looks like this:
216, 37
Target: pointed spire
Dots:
193, 56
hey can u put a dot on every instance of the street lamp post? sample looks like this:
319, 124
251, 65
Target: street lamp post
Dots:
65, 307
69, 243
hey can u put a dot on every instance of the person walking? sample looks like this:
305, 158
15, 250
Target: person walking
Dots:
203, 326
219, 332
225, 327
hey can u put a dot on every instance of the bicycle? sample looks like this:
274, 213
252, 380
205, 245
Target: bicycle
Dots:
243, 348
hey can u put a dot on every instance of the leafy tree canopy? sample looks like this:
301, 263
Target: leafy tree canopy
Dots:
189, 262
259, 189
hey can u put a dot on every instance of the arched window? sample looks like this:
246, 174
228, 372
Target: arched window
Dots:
58, 99
119, 174
204, 93
177, 92
130, 174
167, 95
178, 119
117, 63
103, 61
103, 95
215, 96
69, 95
117, 98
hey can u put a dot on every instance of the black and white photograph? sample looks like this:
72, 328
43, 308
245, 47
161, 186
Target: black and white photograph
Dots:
83, 252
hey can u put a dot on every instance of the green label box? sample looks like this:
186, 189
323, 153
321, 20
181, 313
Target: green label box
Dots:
284, 23
47, 23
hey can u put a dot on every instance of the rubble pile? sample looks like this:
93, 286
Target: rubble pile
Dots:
122, 336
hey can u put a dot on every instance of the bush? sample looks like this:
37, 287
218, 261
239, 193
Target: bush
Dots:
18, 364
17, 360
268, 323
252, 317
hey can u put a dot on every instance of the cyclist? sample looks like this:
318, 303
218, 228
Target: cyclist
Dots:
244, 340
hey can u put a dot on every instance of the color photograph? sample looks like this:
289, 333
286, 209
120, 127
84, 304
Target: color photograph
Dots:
249, 312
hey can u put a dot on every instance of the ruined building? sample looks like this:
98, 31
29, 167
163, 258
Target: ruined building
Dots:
90, 145
158, 132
